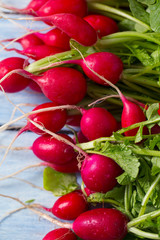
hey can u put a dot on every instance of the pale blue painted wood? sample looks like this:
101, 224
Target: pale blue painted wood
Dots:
23, 225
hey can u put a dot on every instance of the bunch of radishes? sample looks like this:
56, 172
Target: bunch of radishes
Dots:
65, 87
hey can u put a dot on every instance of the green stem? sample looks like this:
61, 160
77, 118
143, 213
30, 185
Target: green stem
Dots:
92, 144
139, 89
127, 196
102, 7
141, 219
141, 80
132, 34
146, 152
114, 41
110, 201
141, 233
35, 67
144, 123
148, 195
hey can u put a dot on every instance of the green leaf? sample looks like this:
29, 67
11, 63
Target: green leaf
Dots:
155, 165
147, 2
124, 179
139, 135
141, 53
154, 10
151, 112
30, 201
139, 11
59, 183
117, 193
123, 156
155, 142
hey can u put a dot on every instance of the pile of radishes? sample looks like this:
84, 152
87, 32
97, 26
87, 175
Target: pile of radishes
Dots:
66, 86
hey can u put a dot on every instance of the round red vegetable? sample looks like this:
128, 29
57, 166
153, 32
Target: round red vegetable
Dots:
14, 82
60, 234
101, 224
70, 206
99, 173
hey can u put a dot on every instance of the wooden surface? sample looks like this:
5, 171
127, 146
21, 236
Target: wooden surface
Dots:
23, 225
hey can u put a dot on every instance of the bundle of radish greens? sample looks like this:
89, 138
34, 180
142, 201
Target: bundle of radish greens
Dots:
99, 69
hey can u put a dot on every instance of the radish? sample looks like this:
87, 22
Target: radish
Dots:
70, 206
99, 173
132, 114
97, 122
69, 167
31, 8
74, 26
101, 224
51, 120
63, 85
14, 82
53, 151
29, 40
102, 24
37, 52
60, 234
55, 38
77, 7
105, 64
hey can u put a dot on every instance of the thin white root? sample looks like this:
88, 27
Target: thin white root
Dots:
29, 183
21, 105
7, 150
43, 215
10, 213
21, 170
102, 99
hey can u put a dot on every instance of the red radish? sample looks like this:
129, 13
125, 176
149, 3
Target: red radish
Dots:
55, 38
14, 82
97, 122
102, 24
101, 224
63, 85
74, 120
99, 173
69, 167
51, 120
77, 7
105, 64
51, 150
31, 8
159, 110
61, 234
70, 206
37, 52
29, 40
132, 114
74, 26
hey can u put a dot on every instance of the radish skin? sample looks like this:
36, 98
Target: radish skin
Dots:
102, 24
77, 7
14, 82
